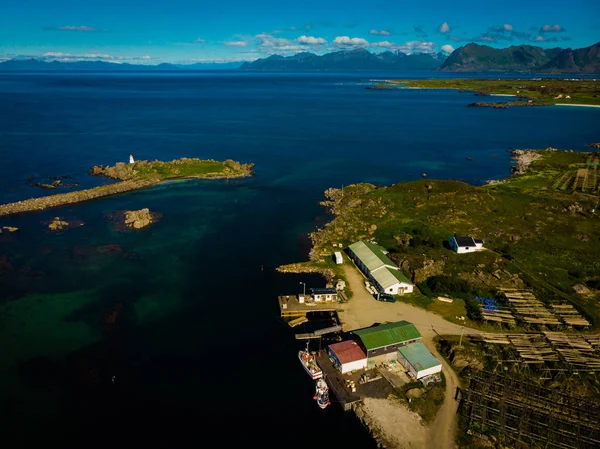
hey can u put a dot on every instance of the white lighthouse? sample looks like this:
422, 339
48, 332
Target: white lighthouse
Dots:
131, 161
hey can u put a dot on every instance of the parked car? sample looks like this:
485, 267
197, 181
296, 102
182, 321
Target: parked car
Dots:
386, 297
508, 257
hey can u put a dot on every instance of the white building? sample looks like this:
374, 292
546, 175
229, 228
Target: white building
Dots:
371, 259
338, 257
347, 356
323, 294
465, 244
131, 161
417, 359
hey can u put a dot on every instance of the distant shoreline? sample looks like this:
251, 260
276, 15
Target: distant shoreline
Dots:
580, 105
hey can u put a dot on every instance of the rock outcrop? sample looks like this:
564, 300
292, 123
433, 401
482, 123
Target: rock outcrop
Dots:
138, 219
581, 289
57, 224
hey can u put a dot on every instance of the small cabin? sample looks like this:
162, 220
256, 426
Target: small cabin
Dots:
323, 294
465, 244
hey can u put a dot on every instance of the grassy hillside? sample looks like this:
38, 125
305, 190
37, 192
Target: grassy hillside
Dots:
546, 218
541, 91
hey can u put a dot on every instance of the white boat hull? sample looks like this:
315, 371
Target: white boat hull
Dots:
315, 373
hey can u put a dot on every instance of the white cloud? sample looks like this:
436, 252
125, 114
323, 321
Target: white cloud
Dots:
447, 48
382, 32
236, 43
507, 27
539, 38
350, 41
69, 57
417, 47
444, 27
551, 29
270, 43
79, 28
310, 40
383, 44
199, 41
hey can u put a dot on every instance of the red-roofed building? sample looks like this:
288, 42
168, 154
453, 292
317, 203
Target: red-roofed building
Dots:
347, 356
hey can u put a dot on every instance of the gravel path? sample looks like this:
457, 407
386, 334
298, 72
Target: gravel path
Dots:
363, 310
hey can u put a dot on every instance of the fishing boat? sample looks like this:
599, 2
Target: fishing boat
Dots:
309, 363
322, 393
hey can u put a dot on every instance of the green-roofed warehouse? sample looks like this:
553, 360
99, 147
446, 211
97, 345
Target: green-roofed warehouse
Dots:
371, 259
387, 338
419, 362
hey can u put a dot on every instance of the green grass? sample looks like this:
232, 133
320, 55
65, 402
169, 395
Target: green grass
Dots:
179, 168
552, 233
429, 403
542, 91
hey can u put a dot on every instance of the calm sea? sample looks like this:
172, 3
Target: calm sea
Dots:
172, 333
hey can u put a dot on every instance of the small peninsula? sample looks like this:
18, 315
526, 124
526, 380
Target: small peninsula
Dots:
526, 92
134, 176
544, 217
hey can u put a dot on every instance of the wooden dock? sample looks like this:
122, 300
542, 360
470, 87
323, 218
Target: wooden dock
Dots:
290, 307
336, 382
319, 332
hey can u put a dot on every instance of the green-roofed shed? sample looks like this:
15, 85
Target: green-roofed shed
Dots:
371, 259
387, 338
417, 359
370, 255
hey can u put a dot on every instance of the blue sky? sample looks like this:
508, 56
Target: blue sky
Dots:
186, 31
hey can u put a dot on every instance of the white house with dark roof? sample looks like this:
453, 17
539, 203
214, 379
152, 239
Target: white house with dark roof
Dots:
465, 244
371, 259
324, 294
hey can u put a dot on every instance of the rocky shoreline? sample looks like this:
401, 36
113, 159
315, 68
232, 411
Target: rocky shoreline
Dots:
298, 268
500, 105
524, 158
61, 199
133, 176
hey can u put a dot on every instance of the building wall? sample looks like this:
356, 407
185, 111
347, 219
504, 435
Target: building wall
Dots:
404, 362
355, 365
397, 289
429, 371
389, 349
467, 249
328, 297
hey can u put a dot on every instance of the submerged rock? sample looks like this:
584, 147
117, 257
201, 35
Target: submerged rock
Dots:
57, 224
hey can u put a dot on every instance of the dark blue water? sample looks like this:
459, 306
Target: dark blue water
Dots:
198, 346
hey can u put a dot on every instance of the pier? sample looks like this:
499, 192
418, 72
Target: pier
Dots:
336, 381
291, 307
319, 332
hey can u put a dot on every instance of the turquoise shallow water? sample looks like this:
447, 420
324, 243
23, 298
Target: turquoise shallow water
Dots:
196, 341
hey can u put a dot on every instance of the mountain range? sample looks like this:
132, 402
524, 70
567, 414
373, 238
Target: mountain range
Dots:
348, 60
32, 64
469, 58
523, 58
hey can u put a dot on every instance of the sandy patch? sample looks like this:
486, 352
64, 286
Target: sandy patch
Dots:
400, 427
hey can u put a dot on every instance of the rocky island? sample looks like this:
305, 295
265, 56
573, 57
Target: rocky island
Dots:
134, 176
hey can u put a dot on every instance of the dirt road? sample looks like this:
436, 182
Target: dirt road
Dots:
363, 310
